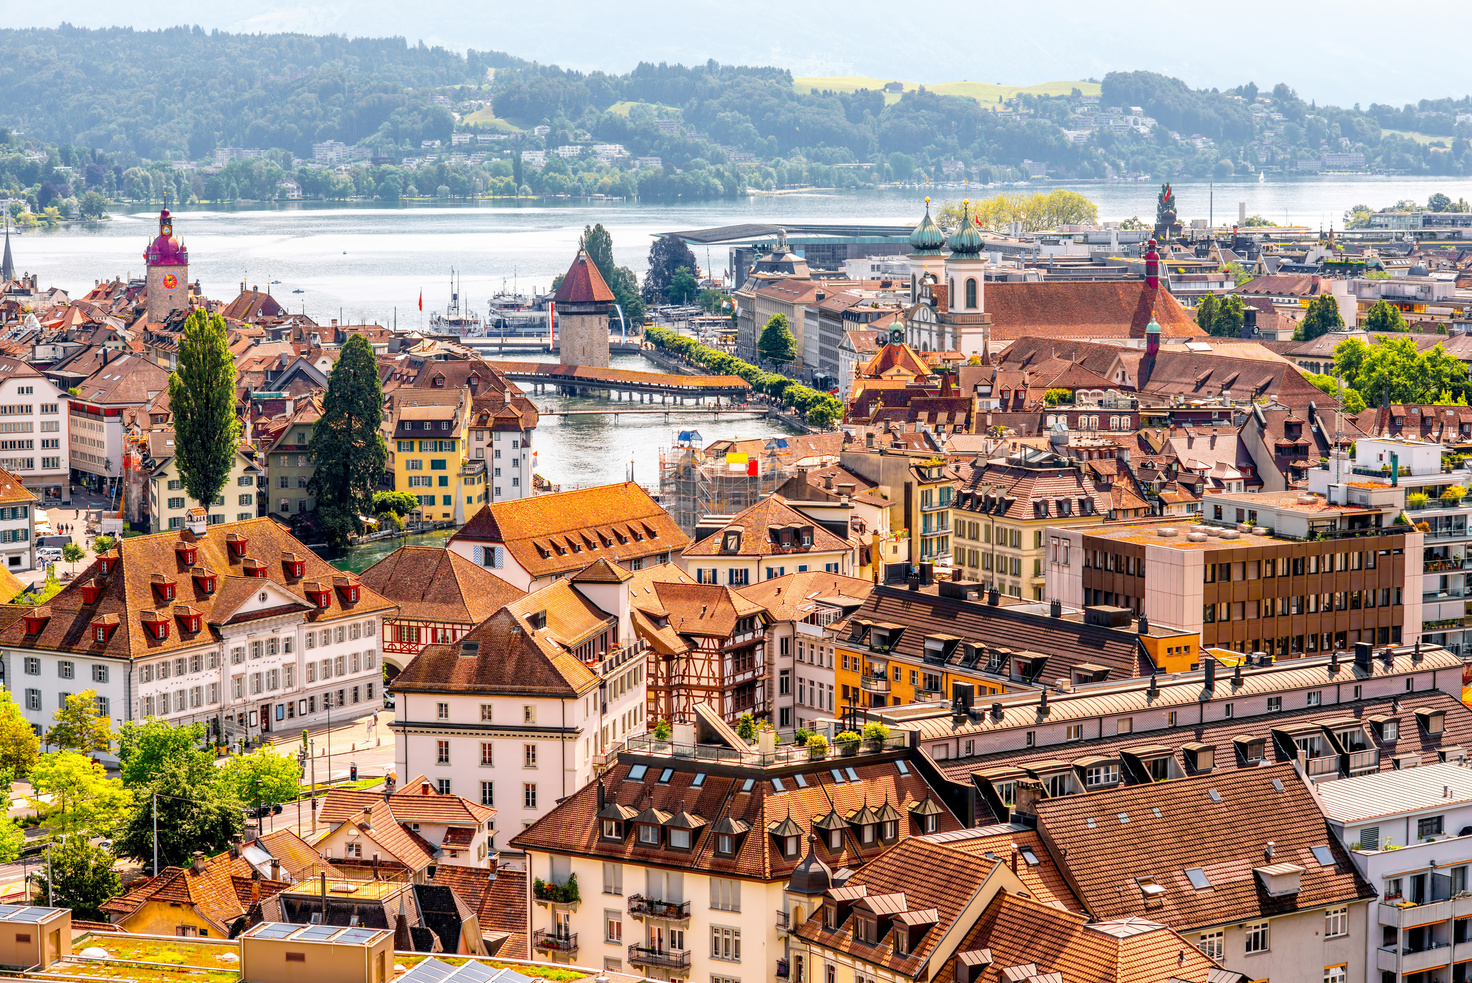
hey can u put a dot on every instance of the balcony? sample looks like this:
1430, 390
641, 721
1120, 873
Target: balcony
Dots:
556, 895
781, 969
1364, 762
674, 960
784, 922
544, 941
1322, 767
874, 684
1436, 954
642, 907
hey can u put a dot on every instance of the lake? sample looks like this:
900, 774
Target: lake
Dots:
367, 263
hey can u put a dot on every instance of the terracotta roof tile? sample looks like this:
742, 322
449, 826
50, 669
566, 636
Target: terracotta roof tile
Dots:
430, 583
583, 284
1085, 309
755, 525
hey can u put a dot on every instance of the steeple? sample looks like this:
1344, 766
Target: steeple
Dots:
7, 264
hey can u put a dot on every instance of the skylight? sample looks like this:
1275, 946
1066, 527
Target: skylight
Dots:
802, 781
1214, 795
1090, 821
1030, 857
1123, 818
1323, 856
904, 769
777, 785
699, 780
1198, 878
664, 776
747, 785
636, 773
1157, 812
1278, 785
853, 776
837, 776
1149, 888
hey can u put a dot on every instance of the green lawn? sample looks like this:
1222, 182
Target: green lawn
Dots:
1421, 138
984, 92
622, 108
487, 117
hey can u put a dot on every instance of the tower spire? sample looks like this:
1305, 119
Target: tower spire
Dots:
7, 263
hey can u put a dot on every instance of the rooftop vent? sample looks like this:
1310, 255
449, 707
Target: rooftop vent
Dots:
1167, 532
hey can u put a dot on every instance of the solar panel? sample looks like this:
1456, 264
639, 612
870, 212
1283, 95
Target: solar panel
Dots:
273, 930
319, 933
354, 936
474, 972
6, 910
30, 914
429, 971
512, 976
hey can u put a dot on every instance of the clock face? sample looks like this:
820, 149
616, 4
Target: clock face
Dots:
170, 281
167, 230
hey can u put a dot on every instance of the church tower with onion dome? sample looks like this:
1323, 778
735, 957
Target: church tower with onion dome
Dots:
168, 272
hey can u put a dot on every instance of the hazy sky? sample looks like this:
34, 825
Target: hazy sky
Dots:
1339, 52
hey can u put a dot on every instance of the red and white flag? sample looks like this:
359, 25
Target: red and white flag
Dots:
421, 300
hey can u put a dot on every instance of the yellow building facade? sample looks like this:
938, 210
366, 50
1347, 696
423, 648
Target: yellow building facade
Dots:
429, 458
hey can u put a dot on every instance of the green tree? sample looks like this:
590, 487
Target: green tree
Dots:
1240, 275
144, 747
1321, 318
79, 724
197, 810
202, 399
683, 288
1206, 312
399, 503
667, 255
1358, 217
73, 553
19, 745
264, 777
1349, 360
746, 727
1393, 369
1055, 396
1353, 402
75, 794
85, 878
1384, 316
711, 301
620, 279
1230, 313
777, 345
346, 443
1438, 202
102, 544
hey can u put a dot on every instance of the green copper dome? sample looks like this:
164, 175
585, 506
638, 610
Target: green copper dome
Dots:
966, 240
927, 239
1153, 327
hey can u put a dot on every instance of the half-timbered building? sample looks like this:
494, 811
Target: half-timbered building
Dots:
707, 644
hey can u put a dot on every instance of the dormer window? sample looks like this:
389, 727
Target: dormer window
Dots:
889, 830
252, 567
205, 580
725, 844
790, 846
187, 553
648, 834
679, 839
613, 829
731, 542
92, 591
156, 624
236, 543
835, 839
103, 627
318, 593
164, 587
189, 619
348, 589
294, 564
105, 564
36, 620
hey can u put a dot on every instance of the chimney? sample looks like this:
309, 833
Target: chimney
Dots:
1362, 655
1144, 625
602, 794
368, 816
198, 863
1237, 674
275, 869
1026, 795
1270, 850
1210, 665
993, 597
1055, 608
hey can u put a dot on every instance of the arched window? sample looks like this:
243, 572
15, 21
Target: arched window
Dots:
971, 294
914, 287
951, 290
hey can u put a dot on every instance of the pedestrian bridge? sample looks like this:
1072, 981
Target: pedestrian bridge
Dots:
621, 384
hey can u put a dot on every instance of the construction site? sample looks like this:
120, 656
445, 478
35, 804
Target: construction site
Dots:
729, 476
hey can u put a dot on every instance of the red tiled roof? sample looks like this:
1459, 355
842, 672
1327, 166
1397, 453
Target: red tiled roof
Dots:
1085, 309
583, 284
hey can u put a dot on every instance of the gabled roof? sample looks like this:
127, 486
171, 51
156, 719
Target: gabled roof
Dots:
430, 583
703, 610
215, 892
1012, 844
498, 901
509, 660
563, 532
753, 527
1114, 837
127, 593
1085, 309
583, 284
569, 828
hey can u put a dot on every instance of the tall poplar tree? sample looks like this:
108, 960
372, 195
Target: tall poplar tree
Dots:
202, 399
347, 445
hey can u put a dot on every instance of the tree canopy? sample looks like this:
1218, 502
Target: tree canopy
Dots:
1321, 318
264, 777
1221, 317
776, 344
202, 400
1384, 316
1393, 369
198, 809
1352, 401
84, 878
1035, 212
19, 745
74, 793
144, 747
620, 279
347, 445
80, 725
666, 255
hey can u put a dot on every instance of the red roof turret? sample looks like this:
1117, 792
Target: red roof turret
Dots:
583, 284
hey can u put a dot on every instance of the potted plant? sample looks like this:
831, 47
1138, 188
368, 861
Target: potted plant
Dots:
817, 747
1453, 494
875, 734
847, 743
1416, 500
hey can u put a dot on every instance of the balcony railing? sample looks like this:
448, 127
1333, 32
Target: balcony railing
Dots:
781, 969
673, 959
1366, 760
784, 921
1326, 765
553, 942
642, 907
874, 684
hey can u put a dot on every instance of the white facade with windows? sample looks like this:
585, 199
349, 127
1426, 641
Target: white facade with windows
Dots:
509, 461
35, 443
520, 754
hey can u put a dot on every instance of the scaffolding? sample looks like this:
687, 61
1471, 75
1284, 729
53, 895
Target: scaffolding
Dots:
695, 482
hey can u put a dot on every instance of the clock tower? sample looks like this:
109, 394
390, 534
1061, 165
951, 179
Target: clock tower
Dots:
168, 272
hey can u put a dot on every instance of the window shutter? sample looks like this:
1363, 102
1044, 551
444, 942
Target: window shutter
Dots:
478, 554
497, 561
